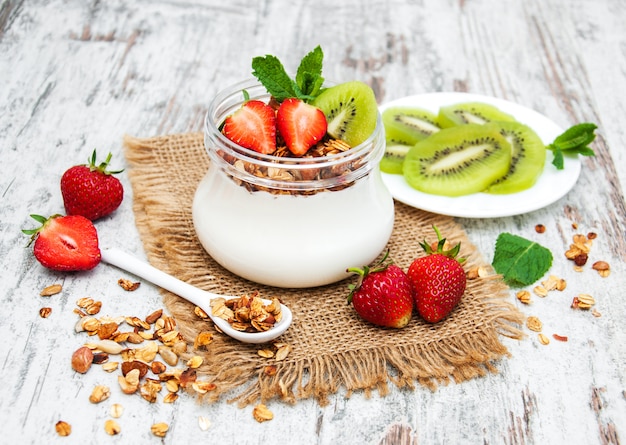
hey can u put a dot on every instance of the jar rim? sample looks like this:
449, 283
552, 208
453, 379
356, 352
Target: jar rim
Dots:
230, 99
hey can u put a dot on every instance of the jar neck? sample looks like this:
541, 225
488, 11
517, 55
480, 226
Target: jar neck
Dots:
258, 171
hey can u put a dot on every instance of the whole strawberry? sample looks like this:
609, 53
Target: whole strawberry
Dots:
438, 280
91, 190
65, 243
383, 295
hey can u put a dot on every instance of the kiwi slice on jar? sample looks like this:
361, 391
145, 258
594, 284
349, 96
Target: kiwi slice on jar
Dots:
458, 160
471, 113
528, 156
351, 111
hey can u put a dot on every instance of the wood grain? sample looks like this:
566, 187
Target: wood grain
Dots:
80, 75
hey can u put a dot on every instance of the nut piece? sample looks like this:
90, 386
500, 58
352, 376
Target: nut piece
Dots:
99, 394
53, 289
82, 359
112, 427
153, 317
534, 324
583, 301
127, 284
543, 339
602, 267
44, 312
130, 382
63, 428
159, 429
559, 337
261, 413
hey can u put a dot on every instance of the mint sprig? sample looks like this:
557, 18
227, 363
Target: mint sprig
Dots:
273, 76
575, 140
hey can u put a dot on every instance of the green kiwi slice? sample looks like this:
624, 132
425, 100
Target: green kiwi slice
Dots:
458, 160
351, 111
471, 113
528, 155
393, 159
409, 124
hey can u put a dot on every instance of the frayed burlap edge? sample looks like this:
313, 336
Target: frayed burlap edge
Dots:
163, 220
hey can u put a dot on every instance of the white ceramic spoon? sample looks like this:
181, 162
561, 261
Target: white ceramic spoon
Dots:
194, 295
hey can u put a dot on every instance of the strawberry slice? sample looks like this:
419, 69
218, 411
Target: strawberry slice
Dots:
301, 125
65, 243
253, 126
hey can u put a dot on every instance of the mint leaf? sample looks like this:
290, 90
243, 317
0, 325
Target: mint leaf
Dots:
520, 262
272, 75
309, 75
558, 158
574, 140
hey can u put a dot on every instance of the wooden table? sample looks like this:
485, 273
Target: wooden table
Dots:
80, 75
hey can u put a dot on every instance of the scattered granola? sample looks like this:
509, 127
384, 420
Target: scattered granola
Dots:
540, 228
128, 285
559, 337
534, 324
160, 429
116, 410
583, 301
111, 427
45, 312
261, 413
53, 289
602, 267
82, 359
544, 340
99, 394
63, 428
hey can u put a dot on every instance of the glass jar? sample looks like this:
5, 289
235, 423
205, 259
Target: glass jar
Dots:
285, 221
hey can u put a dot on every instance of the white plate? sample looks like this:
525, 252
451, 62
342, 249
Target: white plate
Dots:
551, 186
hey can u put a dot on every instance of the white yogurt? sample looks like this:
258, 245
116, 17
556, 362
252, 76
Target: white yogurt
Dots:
292, 241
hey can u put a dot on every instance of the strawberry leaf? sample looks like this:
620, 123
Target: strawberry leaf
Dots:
520, 262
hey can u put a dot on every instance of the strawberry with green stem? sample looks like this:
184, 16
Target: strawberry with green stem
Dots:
65, 243
383, 295
438, 280
91, 190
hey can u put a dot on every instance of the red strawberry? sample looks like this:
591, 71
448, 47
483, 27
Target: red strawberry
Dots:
383, 296
438, 281
301, 125
253, 126
65, 243
91, 190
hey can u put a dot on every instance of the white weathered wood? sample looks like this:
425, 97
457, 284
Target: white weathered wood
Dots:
77, 76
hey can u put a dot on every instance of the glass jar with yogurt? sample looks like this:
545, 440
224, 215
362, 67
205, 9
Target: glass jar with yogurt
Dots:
285, 221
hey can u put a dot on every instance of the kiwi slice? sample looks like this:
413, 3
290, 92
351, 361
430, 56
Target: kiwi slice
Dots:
528, 155
458, 160
409, 124
351, 111
393, 159
471, 113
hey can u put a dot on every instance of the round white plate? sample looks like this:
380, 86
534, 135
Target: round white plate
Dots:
551, 186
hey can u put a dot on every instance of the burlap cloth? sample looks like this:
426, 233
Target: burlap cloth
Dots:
331, 346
